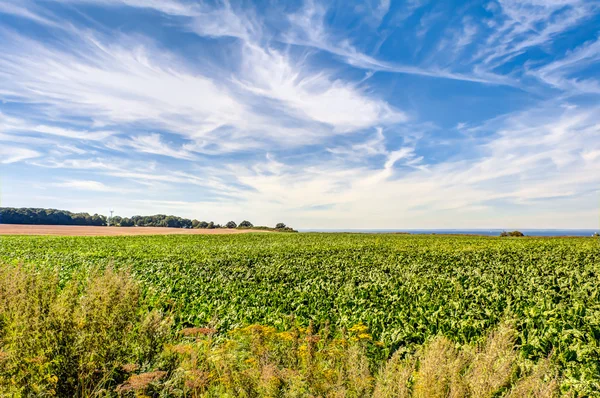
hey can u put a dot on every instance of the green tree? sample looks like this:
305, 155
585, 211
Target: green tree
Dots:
514, 234
126, 222
231, 224
246, 224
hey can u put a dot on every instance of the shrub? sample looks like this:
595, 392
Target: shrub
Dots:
514, 234
72, 341
127, 222
202, 224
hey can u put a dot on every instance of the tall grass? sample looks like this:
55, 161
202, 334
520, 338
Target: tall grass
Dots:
96, 337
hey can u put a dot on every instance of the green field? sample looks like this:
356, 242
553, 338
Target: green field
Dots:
404, 288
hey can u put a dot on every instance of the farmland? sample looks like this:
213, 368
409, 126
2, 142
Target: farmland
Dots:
404, 289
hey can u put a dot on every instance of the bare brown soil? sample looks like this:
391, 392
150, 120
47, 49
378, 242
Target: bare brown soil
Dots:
74, 230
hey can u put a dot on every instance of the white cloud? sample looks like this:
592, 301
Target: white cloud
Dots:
118, 83
127, 80
19, 126
171, 7
531, 23
85, 185
153, 144
28, 10
559, 73
535, 155
308, 29
12, 154
318, 97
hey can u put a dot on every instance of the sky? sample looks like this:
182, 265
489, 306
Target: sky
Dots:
337, 114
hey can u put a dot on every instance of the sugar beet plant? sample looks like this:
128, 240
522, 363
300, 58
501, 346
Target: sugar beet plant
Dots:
405, 289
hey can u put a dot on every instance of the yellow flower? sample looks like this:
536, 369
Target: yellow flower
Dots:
286, 336
52, 379
359, 328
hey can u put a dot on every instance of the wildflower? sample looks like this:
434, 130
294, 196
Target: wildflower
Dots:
129, 368
197, 331
287, 336
141, 381
52, 379
358, 328
197, 379
182, 349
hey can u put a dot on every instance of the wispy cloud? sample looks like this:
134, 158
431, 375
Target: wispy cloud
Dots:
85, 185
309, 30
559, 73
318, 97
27, 10
171, 7
13, 154
153, 144
530, 23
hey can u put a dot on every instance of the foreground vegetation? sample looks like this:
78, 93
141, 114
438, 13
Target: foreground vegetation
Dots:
411, 293
97, 337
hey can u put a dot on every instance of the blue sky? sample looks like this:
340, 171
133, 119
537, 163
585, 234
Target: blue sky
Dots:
366, 114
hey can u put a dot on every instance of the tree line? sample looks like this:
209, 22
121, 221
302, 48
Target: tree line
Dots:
35, 216
9, 215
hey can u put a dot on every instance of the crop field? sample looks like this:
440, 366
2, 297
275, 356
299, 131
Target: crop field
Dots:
404, 289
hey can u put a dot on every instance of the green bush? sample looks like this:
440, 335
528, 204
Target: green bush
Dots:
513, 234
72, 341
231, 224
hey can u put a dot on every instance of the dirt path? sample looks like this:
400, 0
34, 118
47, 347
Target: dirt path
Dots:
73, 230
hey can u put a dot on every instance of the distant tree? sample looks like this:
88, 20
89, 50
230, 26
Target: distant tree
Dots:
127, 222
514, 234
171, 222
280, 226
35, 216
186, 223
115, 221
246, 224
98, 220
596, 235
231, 224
